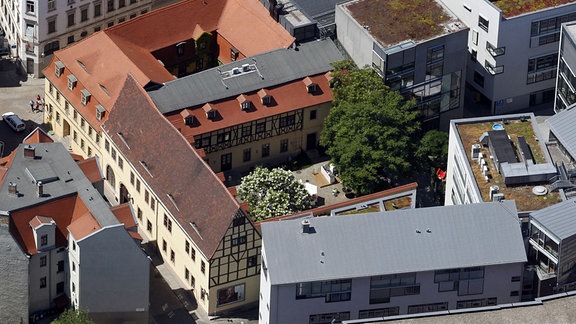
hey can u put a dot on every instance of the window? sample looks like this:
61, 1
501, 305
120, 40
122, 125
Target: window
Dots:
82, 144
168, 225
60, 266
329, 318
147, 197
51, 5
97, 139
139, 213
84, 14
89, 151
73, 267
44, 240
515, 279
247, 155
97, 9
476, 303
106, 143
71, 19
172, 256
138, 185
479, 79
252, 261
192, 281
425, 308
149, 226
474, 37
52, 25
203, 267
97, 29
239, 240
260, 127
467, 281
110, 24
313, 114
73, 246
120, 163
30, 7
287, 120
164, 245
82, 123
384, 287
514, 293
120, 20
193, 254
542, 68
121, 3
43, 282
43, 261
379, 312
332, 291
238, 221
186, 274
483, 23
265, 150
542, 97
58, 117
230, 295
284, 146
180, 49
187, 247
113, 154
60, 288
110, 5
131, 178
73, 287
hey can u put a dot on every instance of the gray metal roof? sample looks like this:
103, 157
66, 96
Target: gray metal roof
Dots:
388, 242
61, 176
314, 8
558, 219
265, 70
562, 125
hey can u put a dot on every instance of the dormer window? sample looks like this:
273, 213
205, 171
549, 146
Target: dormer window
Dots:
85, 96
245, 104
59, 68
311, 87
100, 112
234, 54
265, 97
211, 113
72, 82
189, 119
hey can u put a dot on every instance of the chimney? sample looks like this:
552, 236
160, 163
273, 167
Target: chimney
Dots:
29, 152
305, 226
40, 186
12, 189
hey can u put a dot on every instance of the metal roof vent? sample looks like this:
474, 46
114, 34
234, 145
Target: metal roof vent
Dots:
12, 189
29, 152
305, 226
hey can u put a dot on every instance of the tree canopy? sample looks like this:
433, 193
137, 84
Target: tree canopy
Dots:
73, 316
271, 193
433, 149
369, 132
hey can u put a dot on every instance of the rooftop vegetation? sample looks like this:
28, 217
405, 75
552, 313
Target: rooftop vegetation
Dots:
525, 199
394, 21
511, 8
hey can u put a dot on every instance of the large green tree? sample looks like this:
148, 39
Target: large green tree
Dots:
433, 149
369, 132
73, 316
271, 193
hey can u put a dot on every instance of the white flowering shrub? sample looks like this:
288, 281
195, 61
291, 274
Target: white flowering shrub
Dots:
274, 192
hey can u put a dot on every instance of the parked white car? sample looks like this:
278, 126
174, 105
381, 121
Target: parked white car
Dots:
14, 121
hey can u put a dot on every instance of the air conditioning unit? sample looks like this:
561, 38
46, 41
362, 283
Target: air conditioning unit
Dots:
475, 150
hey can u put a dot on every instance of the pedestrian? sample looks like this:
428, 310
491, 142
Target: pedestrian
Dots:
37, 97
37, 105
32, 105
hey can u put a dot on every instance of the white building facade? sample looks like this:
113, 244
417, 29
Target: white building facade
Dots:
330, 269
35, 29
513, 57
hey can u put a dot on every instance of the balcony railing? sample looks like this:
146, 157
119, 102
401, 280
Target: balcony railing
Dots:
493, 69
495, 51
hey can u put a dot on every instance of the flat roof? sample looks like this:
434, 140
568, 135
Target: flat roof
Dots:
511, 8
470, 131
393, 22
422, 239
562, 126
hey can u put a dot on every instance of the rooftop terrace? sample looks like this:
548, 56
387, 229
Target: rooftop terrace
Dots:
526, 200
511, 8
394, 21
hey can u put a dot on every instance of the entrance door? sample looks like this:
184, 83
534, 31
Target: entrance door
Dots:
124, 195
226, 162
311, 141
66, 130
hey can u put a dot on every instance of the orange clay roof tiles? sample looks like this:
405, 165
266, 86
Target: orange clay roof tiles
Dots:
91, 169
84, 226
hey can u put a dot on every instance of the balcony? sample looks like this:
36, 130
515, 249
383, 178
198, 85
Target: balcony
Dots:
493, 69
495, 51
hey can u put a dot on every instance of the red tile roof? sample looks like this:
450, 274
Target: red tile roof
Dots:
124, 215
37, 136
200, 196
288, 97
101, 61
39, 221
91, 169
83, 226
